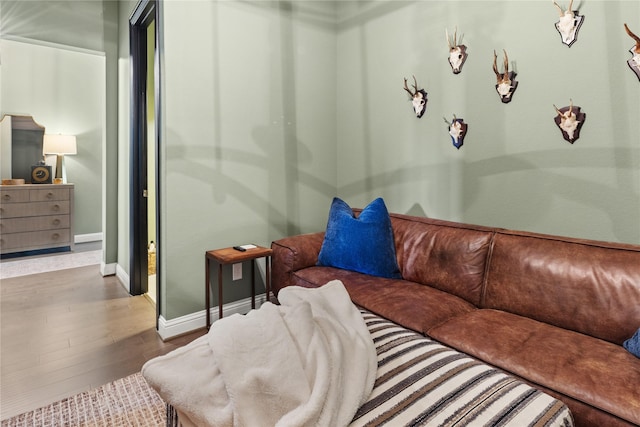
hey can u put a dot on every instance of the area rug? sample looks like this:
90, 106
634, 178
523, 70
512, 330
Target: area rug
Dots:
23, 267
128, 401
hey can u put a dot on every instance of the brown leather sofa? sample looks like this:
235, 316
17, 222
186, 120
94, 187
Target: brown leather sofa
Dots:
551, 310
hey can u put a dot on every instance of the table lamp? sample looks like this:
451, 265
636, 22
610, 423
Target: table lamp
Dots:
60, 145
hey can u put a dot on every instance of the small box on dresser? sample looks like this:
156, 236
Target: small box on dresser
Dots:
36, 216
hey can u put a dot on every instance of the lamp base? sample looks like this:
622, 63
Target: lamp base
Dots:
61, 172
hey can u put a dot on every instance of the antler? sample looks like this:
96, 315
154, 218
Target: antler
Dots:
455, 38
501, 76
569, 10
570, 108
415, 86
450, 122
506, 65
559, 8
633, 36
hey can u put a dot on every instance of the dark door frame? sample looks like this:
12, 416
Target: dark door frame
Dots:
144, 14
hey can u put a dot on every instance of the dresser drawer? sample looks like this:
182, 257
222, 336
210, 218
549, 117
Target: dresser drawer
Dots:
36, 217
40, 239
14, 196
48, 194
19, 225
12, 210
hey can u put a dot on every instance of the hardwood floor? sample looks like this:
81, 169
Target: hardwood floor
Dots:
68, 331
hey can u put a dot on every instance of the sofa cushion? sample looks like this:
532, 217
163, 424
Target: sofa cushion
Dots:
408, 304
590, 370
448, 256
364, 244
585, 286
633, 344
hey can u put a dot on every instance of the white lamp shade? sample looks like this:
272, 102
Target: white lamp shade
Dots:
59, 144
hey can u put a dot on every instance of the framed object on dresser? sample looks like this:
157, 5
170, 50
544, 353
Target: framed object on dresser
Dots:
41, 174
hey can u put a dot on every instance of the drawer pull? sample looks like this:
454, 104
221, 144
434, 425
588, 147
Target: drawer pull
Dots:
55, 236
55, 207
7, 197
56, 221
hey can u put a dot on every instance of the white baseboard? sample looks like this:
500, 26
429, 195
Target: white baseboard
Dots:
108, 269
123, 277
86, 238
181, 325
168, 329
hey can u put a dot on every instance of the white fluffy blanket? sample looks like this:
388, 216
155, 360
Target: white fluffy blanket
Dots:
308, 362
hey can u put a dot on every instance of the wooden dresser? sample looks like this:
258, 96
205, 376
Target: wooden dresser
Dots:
36, 216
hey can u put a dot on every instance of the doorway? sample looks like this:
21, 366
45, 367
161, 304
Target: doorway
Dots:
144, 160
151, 164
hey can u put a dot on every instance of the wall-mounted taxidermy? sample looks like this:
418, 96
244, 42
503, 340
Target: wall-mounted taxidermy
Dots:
457, 130
418, 98
634, 62
570, 119
457, 52
569, 24
506, 82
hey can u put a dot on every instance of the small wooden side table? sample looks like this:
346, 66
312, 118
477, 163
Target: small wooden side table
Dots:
231, 256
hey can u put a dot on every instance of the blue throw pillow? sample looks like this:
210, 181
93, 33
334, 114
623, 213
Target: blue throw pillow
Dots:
633, 344
364, 244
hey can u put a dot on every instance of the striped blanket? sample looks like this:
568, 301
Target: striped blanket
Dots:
420, 382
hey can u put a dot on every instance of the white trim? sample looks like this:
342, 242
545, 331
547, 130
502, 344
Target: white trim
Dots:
123, 276
86, 238
108, 269
37, 42
181, 325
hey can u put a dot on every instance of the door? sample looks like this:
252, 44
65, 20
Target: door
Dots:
144, 159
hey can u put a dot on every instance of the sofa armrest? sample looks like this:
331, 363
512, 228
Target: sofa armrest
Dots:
291, 254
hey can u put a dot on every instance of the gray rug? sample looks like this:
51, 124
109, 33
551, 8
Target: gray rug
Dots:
43, 264
128, 401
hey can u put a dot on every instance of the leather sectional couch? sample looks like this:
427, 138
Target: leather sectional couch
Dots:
551, 310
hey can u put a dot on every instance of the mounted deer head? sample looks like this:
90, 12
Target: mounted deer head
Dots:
457, 130
457, 52
506, 84
634, 62
570, 119
569, 24
418, 98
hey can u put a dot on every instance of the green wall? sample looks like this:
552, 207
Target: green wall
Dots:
272, 108
248, 147
82, 27
64, 91
514, 169
125, 9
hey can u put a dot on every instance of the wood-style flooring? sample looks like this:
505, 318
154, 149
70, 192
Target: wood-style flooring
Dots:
68, 331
